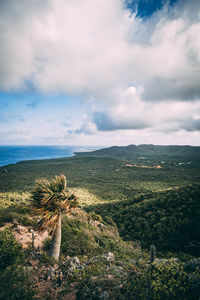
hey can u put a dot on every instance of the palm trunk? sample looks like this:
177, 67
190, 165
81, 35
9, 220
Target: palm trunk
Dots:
56, 240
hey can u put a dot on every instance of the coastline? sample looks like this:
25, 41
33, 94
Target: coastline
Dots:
11, 155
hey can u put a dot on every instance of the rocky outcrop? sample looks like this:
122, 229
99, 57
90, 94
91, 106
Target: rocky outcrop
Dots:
24, 235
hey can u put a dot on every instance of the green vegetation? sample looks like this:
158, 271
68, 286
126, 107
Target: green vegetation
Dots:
149, 152
10, 250
15, 206
161, 280
170, 220
80, 237
14, 282
105, 177
124, 207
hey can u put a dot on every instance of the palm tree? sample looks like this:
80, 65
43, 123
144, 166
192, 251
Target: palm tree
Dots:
49, 199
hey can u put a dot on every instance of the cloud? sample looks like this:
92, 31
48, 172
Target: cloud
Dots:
143, 74
18, 133
106, 122
126, 113
19, 41
92, 47
131, 112
88, 127
192, 125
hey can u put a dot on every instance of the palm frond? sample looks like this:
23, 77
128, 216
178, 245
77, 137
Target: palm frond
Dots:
49, 220
49, 198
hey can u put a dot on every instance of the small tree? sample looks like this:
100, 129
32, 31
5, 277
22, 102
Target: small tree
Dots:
50, 199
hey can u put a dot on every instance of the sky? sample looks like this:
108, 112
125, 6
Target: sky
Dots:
99, 72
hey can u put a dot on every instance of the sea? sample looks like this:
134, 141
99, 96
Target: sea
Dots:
14, 154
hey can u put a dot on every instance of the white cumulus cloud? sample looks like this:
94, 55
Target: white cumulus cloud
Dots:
145, 74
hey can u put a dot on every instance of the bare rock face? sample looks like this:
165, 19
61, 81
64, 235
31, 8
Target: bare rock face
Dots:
21, 229
24, 236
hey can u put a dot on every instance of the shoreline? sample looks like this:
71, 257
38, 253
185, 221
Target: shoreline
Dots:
11, 155
36, 159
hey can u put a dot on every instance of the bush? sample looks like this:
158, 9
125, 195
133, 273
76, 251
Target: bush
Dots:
168, 280
162, 280
14, 284
10, 250
75, 239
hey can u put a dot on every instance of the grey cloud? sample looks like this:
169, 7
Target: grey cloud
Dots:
191, 125
159, 88
106, 122
134, 114
191, 8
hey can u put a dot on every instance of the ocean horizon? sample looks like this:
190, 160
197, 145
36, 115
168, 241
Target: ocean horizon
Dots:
14, 154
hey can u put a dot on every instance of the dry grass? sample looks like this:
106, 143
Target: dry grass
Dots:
13, 198
86, 198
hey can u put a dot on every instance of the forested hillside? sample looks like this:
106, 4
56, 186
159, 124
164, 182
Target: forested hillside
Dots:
170, 220
146, 152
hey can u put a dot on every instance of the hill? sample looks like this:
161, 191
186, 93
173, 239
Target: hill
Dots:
95, 262
170, 219
149, 152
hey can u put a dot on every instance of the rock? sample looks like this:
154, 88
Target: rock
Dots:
21, 229
74, 262
110, 257
50, 273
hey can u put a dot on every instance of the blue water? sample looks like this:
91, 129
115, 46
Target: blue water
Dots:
14, 154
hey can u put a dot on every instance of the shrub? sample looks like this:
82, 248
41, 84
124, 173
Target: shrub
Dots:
14, 284
75, 239
168, 280
10, 250
162, 280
